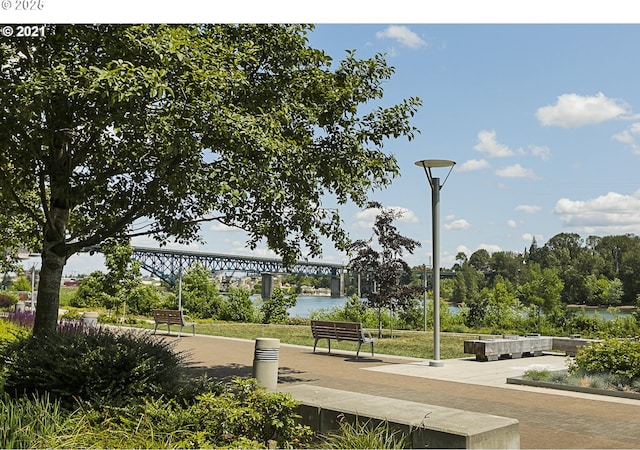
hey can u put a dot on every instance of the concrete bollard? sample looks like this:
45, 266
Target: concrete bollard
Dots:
90, 318
265, 362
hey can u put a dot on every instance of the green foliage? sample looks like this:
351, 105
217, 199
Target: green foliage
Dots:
7, 300
353, 310
620, 357
26, 420
537, 374
92, 364
238, 306
200, 294
21, 284
142, 299
241, 415
154, 129
364, 435
275, 309
90, 293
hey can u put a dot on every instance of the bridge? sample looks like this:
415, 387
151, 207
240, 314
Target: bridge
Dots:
169, 264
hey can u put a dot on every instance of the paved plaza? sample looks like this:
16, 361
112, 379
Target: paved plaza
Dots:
548, 418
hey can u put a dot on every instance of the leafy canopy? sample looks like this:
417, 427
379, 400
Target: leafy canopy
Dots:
119, 131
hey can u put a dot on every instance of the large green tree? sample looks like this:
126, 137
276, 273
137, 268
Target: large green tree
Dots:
119, 131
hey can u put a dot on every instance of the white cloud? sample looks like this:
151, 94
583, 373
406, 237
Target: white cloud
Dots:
528, 237
221, 227
515, 171
488, 145
630, 137
464, 249
403, 35
529, 209
473, 164
573, 110
365, 219
459, 224
612, 213
541, 152
491, 248
512, 223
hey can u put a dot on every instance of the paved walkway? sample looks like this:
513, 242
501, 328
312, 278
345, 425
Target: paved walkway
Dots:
548, 418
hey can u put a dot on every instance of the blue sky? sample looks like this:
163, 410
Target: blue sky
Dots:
542, 119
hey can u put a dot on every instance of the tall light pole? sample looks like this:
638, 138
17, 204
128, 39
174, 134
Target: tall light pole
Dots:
427, 165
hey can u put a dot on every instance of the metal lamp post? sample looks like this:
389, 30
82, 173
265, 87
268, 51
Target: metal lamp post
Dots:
427, 165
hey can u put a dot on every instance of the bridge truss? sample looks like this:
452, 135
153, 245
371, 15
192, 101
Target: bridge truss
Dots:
169, 264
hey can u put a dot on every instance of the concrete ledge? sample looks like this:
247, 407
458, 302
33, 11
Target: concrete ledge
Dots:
426, 426
567, 387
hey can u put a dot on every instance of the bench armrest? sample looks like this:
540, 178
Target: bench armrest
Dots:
366, 335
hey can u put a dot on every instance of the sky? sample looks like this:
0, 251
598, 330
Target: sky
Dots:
541, 116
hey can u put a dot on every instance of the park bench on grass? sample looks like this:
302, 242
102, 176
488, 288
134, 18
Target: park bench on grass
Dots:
340, 331
170, 317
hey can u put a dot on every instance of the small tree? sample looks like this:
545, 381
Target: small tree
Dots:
200, 294
385, 265
21, 284
542, 288
274, 309
238, 307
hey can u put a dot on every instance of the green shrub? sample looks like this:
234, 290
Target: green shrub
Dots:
620, 357
92, 364
364, 435
7, 300
238, 306
243, 416
27, 419
143, 299
274, 309
537, 375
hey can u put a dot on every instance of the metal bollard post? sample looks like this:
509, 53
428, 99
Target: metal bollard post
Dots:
265, 362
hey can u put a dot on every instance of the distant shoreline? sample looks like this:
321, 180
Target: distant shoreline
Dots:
621, 308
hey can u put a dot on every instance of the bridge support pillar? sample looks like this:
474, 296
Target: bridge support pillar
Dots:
267, 285
337, 285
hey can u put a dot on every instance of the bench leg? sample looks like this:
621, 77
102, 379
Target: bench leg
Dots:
180, 331
358, 349
155, 328
316, 343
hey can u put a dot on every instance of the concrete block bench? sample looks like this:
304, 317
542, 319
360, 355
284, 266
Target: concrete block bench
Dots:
512, 346
424, 426
509, 346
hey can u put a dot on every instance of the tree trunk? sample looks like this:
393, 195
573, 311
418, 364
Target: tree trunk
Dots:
54, 258
48, 293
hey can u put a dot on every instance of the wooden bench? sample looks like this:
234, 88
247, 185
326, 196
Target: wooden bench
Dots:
171, 317
340, 331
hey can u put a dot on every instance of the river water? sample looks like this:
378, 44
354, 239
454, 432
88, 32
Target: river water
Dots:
307, 303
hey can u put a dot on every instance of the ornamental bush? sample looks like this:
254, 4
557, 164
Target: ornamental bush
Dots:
619, 357
92, 364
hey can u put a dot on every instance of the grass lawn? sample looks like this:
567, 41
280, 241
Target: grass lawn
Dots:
404, 343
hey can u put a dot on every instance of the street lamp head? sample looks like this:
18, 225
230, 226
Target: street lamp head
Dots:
429, 164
